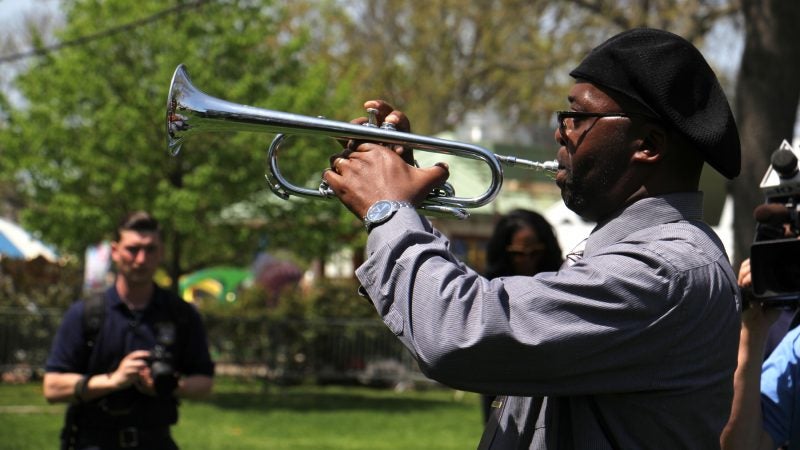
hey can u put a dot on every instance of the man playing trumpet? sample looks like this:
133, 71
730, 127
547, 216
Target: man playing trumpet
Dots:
633, 342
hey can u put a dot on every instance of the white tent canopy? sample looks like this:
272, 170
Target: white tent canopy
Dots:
17, 243
570, 228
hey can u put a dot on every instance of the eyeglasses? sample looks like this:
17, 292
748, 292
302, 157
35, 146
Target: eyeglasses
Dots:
567, 119
528, 250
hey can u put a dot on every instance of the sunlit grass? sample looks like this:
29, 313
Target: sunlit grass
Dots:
257, 415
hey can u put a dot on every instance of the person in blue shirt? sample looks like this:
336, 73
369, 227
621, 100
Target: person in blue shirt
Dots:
149, 349
779, 393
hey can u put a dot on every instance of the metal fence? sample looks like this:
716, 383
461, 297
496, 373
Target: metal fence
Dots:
288, 351
25, 338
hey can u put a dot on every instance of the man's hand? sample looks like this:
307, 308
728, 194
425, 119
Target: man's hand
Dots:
144, 382
757, 320
367, 172
61, 387
745, 279
374, 172
385, 114
129, 369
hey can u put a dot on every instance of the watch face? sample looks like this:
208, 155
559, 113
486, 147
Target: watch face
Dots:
379, 210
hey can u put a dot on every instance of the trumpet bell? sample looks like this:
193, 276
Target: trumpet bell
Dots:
191, 111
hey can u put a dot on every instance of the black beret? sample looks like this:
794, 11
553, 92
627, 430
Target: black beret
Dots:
669, 76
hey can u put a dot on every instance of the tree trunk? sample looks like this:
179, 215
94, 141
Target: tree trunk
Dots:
767, 93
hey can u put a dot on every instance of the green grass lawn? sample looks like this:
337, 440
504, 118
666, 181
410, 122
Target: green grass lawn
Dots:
254, 415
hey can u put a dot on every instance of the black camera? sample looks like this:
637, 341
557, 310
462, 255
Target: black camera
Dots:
775, 252
165, 378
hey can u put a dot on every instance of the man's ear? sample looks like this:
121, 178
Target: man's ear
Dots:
114, 250
652, 146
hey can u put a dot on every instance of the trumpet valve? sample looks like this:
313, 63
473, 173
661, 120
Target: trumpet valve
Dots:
372, 118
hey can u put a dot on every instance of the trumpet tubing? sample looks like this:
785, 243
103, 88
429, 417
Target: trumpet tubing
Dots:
190, 111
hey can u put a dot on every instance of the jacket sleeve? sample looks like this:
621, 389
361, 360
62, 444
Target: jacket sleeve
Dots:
615, 322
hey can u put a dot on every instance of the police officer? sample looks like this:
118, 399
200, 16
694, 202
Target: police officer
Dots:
122, 365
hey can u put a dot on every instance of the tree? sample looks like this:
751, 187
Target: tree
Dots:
767, 94
89, 142
439, 59
33, 28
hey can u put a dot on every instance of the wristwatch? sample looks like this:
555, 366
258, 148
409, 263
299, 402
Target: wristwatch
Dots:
383, 210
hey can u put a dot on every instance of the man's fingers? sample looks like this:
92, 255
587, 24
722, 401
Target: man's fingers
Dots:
387, 113
438, 173
744, 278
383, 108
332, 179
138, 354
432, 177
336, 164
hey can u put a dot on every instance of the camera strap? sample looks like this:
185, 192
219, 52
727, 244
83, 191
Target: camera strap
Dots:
94, 315
94, 312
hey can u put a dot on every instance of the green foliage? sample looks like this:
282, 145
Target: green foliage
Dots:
33, 295
39, 285
324, 300
439, 59
302, 335
340, 299
88, 145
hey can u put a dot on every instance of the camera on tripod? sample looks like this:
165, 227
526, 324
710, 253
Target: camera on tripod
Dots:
775, 252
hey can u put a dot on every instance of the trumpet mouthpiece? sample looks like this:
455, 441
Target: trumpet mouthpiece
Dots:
547, 166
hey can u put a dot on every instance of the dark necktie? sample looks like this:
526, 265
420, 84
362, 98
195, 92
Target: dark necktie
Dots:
493, 422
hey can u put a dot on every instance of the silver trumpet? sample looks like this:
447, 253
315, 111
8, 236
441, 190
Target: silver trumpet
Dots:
191, 111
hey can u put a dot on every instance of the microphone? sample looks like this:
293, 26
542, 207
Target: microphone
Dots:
773, 214
773, 218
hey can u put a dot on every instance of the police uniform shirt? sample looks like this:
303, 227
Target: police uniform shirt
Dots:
122, 332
